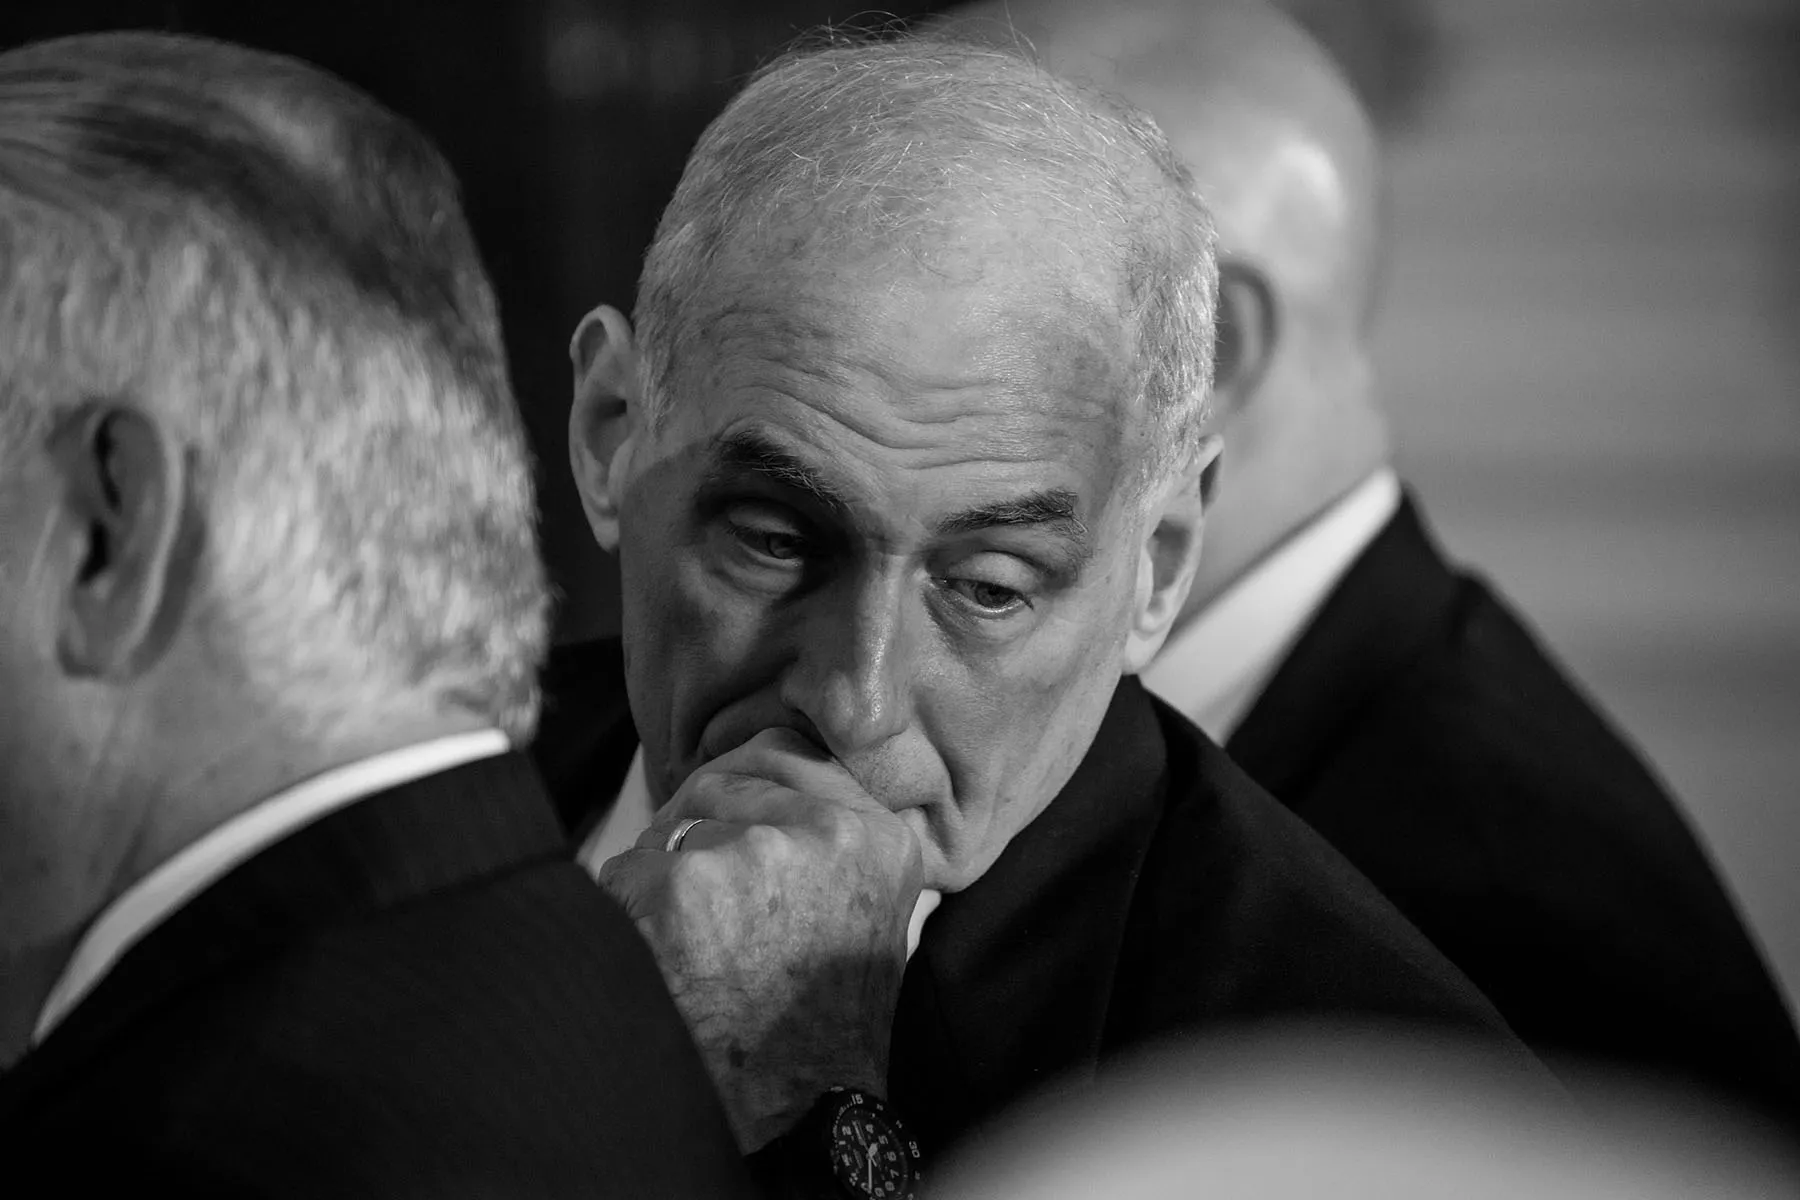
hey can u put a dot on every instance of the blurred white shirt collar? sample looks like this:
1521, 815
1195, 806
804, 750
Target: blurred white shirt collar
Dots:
633, 812
1214, 669
144, 905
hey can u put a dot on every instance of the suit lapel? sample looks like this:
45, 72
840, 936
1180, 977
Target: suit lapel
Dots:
407, 842
1395, 600
1011, 983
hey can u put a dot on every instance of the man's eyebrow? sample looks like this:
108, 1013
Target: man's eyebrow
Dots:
1053, 511
749, 451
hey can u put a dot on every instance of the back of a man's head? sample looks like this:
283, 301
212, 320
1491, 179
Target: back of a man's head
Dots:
277, 271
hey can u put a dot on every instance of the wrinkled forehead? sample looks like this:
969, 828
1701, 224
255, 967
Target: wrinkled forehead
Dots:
1008, 317
996, 360
1024, 296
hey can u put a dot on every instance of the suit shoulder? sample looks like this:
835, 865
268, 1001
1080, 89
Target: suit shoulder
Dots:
1276, 920
1482, 790
1497, 678
517, 1030
1489, 732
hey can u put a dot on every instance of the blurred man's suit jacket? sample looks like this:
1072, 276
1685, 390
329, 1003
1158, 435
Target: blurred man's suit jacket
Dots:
1414, 721
1162, 892
418, 994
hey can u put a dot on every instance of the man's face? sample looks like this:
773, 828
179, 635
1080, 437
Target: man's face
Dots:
889, 512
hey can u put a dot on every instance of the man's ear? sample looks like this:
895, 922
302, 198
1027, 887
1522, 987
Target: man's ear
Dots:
604, 421
1169, 557
1246, 333
127, 499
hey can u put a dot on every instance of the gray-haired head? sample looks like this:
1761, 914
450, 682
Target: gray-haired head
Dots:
889, 460
278, 270
872, 153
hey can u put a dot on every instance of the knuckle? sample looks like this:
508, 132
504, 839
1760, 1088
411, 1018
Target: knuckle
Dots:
696, 872
704, 786
722, 792
767, 843
737, 785
845, 832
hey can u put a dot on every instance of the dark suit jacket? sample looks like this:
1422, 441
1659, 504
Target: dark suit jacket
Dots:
1161, 892
1420, 728
418, 995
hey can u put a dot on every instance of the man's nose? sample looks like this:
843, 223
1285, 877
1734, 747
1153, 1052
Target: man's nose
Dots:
856, 664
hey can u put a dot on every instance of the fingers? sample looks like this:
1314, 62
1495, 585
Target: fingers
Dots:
712, 833
660, 832
793, 760
727, 797
777, 777
786, 740
637, 880
703, 834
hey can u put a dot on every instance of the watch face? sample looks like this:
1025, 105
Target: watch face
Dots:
870, 1154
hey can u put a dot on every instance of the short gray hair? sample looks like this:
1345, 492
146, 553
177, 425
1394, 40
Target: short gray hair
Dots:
279, 270
865, 142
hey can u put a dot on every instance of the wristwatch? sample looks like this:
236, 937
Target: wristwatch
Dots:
849, 1146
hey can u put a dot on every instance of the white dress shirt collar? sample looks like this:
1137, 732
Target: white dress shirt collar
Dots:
633, 812
1214, 669
152, 899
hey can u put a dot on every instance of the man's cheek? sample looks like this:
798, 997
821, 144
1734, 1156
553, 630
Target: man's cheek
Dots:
987, 741
709, 612
1062, 650
650, 574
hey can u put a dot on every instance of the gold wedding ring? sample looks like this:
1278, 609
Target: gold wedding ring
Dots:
681, 831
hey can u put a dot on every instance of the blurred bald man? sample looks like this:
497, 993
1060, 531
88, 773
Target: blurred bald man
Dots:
1393, 701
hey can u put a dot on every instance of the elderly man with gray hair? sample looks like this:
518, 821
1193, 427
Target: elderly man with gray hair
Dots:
905, 470
281, 912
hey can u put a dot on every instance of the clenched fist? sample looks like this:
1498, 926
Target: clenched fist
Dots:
780, 924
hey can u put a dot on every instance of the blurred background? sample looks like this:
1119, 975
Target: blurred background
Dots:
1589, 344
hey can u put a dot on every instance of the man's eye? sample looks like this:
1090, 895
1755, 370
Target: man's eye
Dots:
990, 598
775, 544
